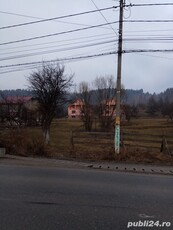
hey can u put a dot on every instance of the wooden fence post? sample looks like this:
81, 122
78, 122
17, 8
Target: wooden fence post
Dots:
121, 139
72, 140
164, 145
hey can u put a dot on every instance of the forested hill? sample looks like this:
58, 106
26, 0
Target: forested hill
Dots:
17, 92
134, 97
130, 96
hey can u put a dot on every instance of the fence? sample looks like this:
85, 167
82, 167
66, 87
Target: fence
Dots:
152, 142
91, 138
105, 141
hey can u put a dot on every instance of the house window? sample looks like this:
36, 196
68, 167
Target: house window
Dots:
107, 111
73, 111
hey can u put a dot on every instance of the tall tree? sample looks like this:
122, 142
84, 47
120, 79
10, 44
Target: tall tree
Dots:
152, 106
105, 92
85, 94
49, 85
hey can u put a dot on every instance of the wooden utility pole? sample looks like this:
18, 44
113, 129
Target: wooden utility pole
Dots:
118, 88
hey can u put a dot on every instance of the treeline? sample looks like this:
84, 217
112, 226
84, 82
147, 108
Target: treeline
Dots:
130, 96
137, 101
162, 106
136, 97
15, 92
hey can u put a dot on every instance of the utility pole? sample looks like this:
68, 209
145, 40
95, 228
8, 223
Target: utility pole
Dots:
118, 88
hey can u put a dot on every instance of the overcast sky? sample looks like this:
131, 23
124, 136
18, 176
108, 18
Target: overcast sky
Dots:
152, 72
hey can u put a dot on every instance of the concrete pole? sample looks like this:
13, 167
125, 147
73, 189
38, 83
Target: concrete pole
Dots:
118, 89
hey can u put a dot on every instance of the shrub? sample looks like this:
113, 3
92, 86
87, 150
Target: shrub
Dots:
36, 147
19, 142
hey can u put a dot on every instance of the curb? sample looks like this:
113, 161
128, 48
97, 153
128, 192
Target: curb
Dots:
162, 170
109, 166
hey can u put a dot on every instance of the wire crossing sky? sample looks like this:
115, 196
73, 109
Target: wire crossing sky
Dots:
82, 35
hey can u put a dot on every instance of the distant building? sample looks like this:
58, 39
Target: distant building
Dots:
108, 108
75, 109
16, 99
23, 109
13, 102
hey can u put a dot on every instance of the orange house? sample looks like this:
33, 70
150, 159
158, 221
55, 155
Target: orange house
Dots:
75, 109
109, 108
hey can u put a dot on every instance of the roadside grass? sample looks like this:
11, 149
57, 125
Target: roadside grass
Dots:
148, 130
28, 141
61, 136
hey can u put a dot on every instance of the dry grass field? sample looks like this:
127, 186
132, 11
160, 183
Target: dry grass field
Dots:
148, 130
142, 140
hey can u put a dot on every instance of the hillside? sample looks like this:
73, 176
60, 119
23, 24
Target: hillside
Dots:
130, 96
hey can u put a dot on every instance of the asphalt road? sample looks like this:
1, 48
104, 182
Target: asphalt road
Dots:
86, 199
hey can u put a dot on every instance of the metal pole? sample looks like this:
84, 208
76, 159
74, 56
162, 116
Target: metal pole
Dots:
118, 88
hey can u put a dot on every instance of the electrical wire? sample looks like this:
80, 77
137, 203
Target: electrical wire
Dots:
57, 60
79, 38
148, 51
31, 65
154, 56
144, 39
104, 17
85, 28
151, 4
34, 65
151, 20
93, 55
56, 34
55, 46
53, 42
59, 21
56, 50
55, 18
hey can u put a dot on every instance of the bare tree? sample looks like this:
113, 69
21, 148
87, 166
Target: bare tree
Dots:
85, 94
105, 94
11, 110
49, 85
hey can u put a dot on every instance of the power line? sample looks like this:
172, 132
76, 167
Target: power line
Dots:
93, 55
85, 28
56, 34
146, 39
142, 31
154, 56
55, 18
127, 5
53, 42
151, 4
57, 50
79, 38
65, 22
21, 15
33, 65
103, 16
147, 51
56, 60
61, 45
151, 20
